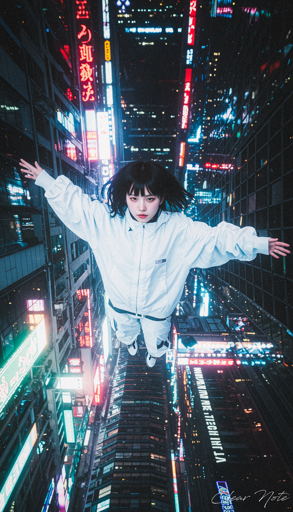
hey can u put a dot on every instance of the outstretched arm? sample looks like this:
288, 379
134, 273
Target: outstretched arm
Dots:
74, 208
277, 248
206, 246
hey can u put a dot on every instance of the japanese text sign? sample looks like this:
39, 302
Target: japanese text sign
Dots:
85, 50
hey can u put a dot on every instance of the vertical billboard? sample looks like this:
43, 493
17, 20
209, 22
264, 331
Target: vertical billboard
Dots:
189, 59
225, 497
104, 146
85, 51
91, 135
69, 426
97, 387
86, 74
17, 367
17, 468
83, 331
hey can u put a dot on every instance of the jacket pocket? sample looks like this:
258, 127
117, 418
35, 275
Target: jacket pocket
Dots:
157, 284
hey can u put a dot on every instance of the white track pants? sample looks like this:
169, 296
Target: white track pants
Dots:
128, 327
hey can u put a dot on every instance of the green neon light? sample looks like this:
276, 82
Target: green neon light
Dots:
13, 373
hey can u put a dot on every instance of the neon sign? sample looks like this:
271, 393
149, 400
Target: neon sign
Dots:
181, 453
197, 361
189, 56
17, 468
104, 140
74, 361
225, 497
85, 325
91, 135
97, 387
69, 427
13, 373
106, 19
221, 167
215, 440
49, 496
85, 49
70, 382
175, 488
182, 153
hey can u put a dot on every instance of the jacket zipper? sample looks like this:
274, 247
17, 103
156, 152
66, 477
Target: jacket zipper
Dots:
143, 226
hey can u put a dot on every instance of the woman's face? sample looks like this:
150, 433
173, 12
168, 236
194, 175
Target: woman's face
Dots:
143, 208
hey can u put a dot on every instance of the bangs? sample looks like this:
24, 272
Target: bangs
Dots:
137, 189
139, 180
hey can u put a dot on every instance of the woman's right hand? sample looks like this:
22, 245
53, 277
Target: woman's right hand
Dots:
32, 172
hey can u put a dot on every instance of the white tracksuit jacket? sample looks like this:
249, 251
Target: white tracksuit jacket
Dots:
144, 266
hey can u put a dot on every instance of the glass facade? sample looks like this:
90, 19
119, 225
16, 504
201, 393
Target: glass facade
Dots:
246, 120
132, 464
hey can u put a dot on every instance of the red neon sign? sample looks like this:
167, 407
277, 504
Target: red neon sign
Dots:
74, 361
85, 52
186, 96
188, 73
185, 112
192, 8
191, 30
81, 13
210, 362
92, 145
182, 154
208, 165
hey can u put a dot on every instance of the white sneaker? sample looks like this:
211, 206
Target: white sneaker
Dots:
133, 348
150, 360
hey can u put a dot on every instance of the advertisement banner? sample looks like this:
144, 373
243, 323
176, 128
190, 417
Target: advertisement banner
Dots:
14, 371
18, 466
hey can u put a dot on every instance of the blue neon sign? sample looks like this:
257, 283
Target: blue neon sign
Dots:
225, 497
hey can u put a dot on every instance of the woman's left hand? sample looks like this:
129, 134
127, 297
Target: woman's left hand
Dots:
277, 248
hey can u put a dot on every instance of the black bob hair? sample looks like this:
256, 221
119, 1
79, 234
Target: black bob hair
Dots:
134, 177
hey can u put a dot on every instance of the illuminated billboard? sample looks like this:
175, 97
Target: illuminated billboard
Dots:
188, 70
225, 497
83, 331
202, 361
17, 367
17, 468
214, 435
74, 361
70, 382
49, 496
69, 426
91, 135
85, 49
97, 387
103, 131
182, 153
175, 487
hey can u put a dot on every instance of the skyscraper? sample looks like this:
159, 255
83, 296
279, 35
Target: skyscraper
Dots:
50, 326
245, 151
149, 38
132, 467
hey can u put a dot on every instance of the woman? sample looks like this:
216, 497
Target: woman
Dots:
144, 247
